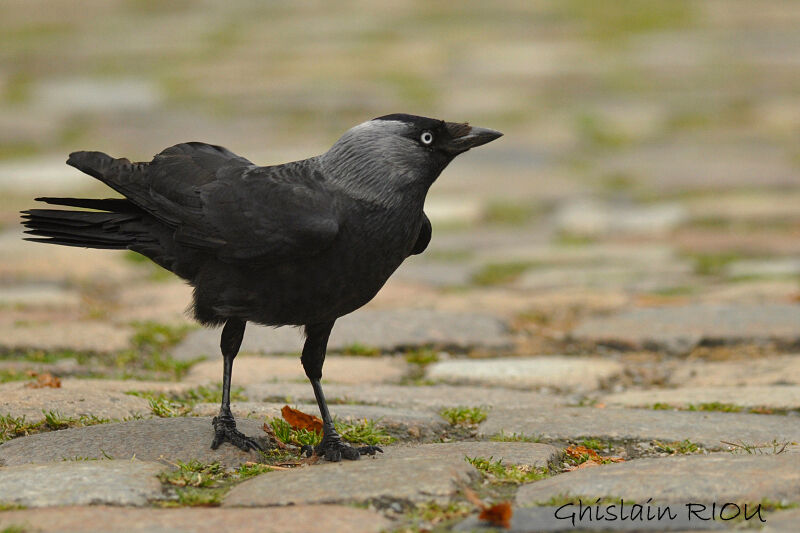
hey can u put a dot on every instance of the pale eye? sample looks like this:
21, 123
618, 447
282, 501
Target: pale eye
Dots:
426, 137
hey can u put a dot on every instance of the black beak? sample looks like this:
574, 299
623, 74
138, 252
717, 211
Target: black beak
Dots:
474, 137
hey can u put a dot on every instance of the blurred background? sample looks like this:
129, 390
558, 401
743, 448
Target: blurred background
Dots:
650, 157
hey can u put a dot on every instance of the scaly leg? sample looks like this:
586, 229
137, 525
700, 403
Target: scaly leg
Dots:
332, 447
224, 424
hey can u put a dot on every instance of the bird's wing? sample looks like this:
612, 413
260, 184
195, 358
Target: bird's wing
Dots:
223, 203
424, 237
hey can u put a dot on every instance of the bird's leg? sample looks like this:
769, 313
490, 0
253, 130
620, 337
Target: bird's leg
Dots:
224, 424
332, 447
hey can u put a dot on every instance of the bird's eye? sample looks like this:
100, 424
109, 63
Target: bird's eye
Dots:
426, 138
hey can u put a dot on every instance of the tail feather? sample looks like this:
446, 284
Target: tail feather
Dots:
116, 205
89, 229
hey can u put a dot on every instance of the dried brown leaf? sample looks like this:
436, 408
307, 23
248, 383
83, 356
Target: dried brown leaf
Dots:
300, 420
576, 452
498, 514
45, 380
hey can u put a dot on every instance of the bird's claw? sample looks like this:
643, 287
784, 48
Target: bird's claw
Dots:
333, 449
225, 431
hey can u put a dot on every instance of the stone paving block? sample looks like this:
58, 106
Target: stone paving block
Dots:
707, 429
678, 329
338, 369
557, 372
81, 483
384, 329
39, 294
684, 165
124, 385
72, 400
775, 370
783, 521
86, 336
169, 439
405, 473
402, 423
35, 262
547, 519
436, 273
294, 519
774, 397
633, 278
717, 478
781, 267
435, 397
593, 218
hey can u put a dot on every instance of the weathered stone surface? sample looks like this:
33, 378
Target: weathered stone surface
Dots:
403, 396
407, 473
16, 399
641, 278
708, 429
592, 218
22, 260
294, 519
384, 329
541, 519
454, 209
678, 329
97, 94
777, 370
163, 302
593, 254
438, 274
81, 483
124, 385
39, 294
170, 439
79, 336
782, 267
515, 453
696, 478
418, 423
775, 397
436, 474
783, 521
559, 372
685, 165
338, 369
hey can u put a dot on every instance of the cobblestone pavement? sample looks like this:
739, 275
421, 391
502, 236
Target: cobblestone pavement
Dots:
607, 315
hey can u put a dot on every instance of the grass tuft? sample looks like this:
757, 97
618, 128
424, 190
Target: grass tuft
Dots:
363, 431
461, 416
496, 472
500, 273
514, 437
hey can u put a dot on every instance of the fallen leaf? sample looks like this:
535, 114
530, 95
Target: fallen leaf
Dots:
300, 420
45, 380
585, 464
577, 452
498, 514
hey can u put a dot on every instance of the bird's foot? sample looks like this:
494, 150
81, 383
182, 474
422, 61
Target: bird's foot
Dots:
225, 431
333, 449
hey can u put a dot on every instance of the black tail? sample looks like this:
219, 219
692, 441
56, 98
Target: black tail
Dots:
114, 225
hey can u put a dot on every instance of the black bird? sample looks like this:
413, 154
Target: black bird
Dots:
296, 244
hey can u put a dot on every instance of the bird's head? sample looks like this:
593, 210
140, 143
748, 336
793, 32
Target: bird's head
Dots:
397, 152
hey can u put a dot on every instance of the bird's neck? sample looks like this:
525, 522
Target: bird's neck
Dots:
370, 181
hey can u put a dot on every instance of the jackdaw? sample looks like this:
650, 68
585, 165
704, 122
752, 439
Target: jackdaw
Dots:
301, 244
